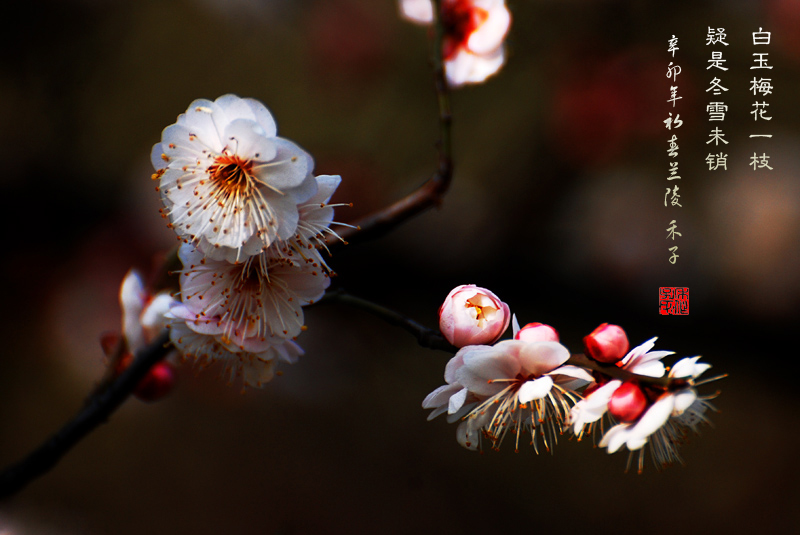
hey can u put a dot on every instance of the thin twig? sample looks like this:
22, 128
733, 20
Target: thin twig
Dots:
426, 337
96, 411
432, 191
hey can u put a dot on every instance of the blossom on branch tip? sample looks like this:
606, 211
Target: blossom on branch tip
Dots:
472, 315
474, 32
230, 186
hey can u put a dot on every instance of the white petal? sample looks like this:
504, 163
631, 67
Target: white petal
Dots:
489, 35
246, 139
536, 389
615, 437
482, 365
539, 358
262, 116
457, 401
440, 396
688, 367
572, 371
418, 11
683, 400
514, 325
653, 368
655, 417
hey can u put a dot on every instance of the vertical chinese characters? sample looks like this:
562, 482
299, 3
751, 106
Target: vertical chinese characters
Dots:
672, 196
761, 86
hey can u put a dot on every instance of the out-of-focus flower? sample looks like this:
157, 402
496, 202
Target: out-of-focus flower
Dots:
513, 386
251, 305
472, 315
229, 185
474, 31
143, 318
666, 421
254, 367
607, 343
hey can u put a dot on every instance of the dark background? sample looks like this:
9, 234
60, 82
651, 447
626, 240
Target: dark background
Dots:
556, 205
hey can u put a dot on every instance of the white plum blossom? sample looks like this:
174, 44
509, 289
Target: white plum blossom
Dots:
244, 315
253, 367
666, 421
474, 32
513, 386
252, 305
230, 186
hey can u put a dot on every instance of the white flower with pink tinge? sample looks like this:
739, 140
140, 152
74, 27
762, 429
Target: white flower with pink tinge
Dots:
513, 386
474, 31
252, 305
472, 315
254, 367
665, 422
229, 185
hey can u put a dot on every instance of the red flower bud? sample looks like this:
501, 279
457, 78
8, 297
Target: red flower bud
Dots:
607, 343
627, 403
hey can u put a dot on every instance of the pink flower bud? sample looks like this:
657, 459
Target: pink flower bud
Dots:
473, 316
537, 332
607, 343
627, 403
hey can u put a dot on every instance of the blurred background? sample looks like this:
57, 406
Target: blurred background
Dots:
556, 205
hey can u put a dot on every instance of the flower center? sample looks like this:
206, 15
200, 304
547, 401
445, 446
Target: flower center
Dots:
232, 174
480, 311
460, 19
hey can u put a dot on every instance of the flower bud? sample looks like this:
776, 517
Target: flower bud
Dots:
473, 316
627, 403
607, 343
537, 332
157, 383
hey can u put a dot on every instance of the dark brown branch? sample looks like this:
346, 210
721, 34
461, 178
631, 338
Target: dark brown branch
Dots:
429, 193
615, 372
96, 411
426, 337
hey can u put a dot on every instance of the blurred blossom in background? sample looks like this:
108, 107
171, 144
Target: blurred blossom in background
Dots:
556, 205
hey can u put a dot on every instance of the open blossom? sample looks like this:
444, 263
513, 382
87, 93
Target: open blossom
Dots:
253, 367
471, 315
230, 186
667, 418
474, 31
513, 386
253, 304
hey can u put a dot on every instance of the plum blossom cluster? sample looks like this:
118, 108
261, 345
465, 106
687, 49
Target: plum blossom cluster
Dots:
252, 219
530, 388
474, 33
